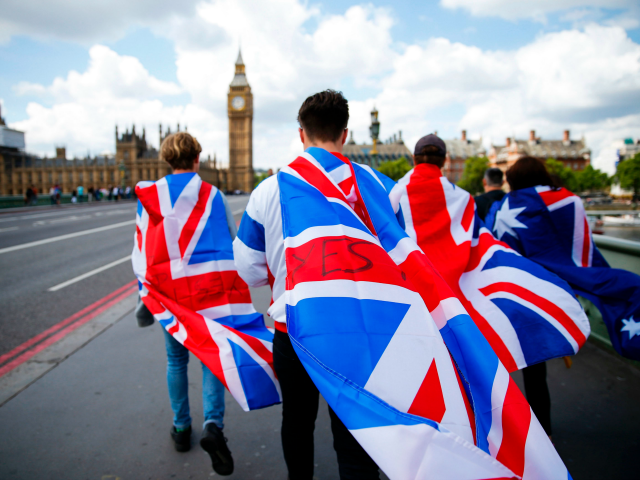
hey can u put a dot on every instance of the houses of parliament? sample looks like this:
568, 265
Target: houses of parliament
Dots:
135, 159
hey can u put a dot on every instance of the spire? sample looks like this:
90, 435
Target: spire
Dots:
239, 79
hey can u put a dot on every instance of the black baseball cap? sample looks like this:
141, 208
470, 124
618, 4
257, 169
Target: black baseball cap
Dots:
431, 140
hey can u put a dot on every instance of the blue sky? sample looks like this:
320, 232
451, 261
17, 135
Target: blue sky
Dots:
493, 67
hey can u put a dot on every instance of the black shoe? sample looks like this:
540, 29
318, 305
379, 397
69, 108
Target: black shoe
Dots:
215, 444
181, 440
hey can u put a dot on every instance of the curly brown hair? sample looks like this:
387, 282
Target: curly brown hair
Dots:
180, 150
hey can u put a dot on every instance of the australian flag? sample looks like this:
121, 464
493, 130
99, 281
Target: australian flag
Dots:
183, 259
386, 341
527, 313
549, 226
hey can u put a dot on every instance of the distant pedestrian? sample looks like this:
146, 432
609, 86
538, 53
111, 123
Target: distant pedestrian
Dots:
52, 195
34, 199
492, 183
80, 193
28, 196
58, 192
74, 197
110, 193
116, 193
127, 192
90, 193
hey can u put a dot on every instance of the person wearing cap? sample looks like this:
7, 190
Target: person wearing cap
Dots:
492, 183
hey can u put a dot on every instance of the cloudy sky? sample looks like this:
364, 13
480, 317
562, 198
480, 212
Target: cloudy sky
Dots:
70, 70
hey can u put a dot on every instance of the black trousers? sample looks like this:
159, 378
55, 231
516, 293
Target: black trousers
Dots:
300, 399
537, 392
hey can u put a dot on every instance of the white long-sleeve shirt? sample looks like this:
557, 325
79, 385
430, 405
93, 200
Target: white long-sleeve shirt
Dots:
258, 249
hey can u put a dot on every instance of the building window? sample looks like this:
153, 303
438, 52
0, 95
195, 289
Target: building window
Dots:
140, 174
70, 177
80, 177
126, 155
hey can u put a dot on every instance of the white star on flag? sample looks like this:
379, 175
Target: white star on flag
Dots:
631, 326
506, 219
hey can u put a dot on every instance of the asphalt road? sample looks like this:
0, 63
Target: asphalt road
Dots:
103, 413
27, 305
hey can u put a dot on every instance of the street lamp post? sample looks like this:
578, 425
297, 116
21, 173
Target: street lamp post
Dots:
375, 131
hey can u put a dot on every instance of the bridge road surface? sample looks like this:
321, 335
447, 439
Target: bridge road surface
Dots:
28, 307
103, 413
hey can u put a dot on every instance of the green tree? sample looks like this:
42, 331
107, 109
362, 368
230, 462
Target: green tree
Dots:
628, 174
592, 179
566, 175
473, 173
395, 169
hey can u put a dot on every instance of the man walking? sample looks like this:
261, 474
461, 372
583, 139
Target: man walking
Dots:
260, 260
492, 183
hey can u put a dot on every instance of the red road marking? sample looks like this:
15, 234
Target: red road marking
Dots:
91, 311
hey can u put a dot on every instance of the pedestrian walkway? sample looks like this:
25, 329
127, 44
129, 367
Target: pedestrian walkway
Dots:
104, 414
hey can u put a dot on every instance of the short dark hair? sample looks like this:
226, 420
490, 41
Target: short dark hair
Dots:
528, 172
430, 154
324, 116
180, 150
494, 177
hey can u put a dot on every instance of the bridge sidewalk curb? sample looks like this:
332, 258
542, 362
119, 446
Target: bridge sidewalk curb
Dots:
25, 374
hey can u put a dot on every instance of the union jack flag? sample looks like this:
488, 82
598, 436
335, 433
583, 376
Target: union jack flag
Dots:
183, 260
527, 314
388, 344
549, 226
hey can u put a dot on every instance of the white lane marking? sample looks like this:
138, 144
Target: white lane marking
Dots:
88, 274
55, 214
60, 220
65, 237
8, 229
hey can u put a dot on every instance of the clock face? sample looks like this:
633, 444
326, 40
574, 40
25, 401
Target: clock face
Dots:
237, 103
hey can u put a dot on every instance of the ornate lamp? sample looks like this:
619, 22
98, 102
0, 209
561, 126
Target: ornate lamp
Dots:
375, 131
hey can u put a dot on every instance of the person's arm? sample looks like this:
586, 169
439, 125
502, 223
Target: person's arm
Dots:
249, 250
231, 223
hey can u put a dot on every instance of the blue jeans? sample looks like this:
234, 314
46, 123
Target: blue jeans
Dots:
178, 382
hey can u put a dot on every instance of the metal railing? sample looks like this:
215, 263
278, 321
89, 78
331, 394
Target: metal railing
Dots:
620, 253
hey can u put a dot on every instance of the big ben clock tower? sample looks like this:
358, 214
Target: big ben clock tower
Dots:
240, 108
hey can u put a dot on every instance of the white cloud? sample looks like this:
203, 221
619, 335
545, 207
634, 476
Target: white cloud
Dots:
584, 79
285, 62
84, 20
113, 90
109, 76
535, 9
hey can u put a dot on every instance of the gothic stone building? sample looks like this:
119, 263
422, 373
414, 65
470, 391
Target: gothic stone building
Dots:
134, 160
574, 154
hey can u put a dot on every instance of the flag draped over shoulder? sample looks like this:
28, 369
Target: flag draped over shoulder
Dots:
527, 313
388, 344
183, 259
549, 226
